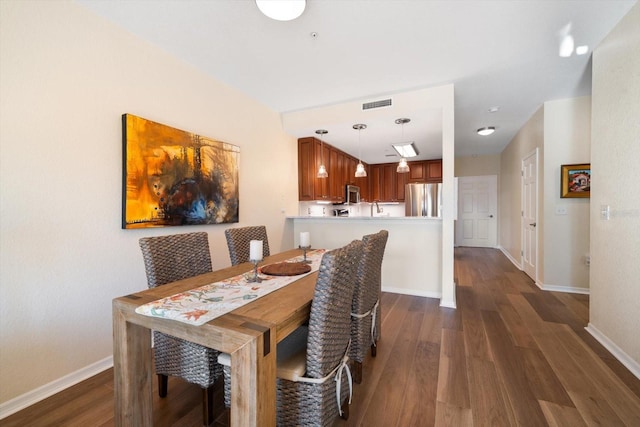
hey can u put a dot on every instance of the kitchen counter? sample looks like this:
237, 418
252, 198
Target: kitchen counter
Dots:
412, 262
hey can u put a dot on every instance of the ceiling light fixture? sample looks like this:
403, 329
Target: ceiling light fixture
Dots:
404, 149
322, 171
361, 172
281, 10
581, 50
488, 130
566, 46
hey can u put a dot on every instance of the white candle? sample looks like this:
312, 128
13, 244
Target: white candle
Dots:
305, 239
255, 250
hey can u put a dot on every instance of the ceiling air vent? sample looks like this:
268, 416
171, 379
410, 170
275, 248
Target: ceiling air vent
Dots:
376, 104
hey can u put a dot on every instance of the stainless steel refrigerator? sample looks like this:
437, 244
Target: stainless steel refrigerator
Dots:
423, 200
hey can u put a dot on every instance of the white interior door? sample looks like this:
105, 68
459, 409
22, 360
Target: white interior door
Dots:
530, 214
477, 211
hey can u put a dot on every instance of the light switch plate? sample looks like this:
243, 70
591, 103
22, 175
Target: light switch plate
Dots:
561, 210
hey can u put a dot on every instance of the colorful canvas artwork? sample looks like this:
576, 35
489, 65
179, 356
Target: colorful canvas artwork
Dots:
575, 181
173, 177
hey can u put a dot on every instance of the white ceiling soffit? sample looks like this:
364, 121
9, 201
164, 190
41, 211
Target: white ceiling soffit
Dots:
423, 107
495, 52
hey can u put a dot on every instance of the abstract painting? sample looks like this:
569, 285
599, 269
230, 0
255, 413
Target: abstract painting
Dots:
173, 177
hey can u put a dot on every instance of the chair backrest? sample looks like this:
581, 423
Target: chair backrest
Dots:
238, 241
175, 257
369, 276
330, 319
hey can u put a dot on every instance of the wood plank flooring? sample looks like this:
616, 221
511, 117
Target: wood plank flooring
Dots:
510, 355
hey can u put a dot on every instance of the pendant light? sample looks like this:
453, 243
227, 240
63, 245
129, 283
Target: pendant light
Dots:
403, 167
322, 171
360, 170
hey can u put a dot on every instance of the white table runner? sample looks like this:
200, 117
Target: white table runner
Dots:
200, 305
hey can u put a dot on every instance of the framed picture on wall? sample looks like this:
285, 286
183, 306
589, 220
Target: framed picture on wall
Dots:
575, 181
174, 177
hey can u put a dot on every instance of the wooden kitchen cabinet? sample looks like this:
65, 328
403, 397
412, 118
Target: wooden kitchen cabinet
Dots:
363, 183
433, 170
341, 168
375, 182
338, 169
389, 188
385, 184
402, 179
382, 183
310, 155
416, 172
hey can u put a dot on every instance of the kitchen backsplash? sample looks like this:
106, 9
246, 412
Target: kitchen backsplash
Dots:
355, 210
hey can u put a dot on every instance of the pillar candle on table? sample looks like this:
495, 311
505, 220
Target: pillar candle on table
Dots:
305, 240
255, 250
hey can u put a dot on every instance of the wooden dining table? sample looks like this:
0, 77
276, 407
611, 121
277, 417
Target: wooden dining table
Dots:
249, 334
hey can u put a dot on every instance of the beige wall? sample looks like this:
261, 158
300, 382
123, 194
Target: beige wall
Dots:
567, 140
615, 155
66, 76
528, 138
477, 165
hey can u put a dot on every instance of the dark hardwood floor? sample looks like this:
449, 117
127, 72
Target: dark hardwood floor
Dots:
510, 355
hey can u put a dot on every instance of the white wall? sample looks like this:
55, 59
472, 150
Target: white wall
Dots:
615, 156
528, 138
66, 76
412, 262
567, 140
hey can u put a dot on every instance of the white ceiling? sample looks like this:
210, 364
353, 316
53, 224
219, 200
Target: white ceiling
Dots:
496, 53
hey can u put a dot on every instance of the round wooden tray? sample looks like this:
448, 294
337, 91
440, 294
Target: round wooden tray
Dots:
286, 269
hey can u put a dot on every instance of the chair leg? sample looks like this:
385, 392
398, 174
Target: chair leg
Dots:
207, 406
374, 348
162, 385
357, 372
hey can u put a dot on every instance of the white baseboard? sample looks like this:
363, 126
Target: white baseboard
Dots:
559, 288
617, 352
34, 396
508, 255
415, 293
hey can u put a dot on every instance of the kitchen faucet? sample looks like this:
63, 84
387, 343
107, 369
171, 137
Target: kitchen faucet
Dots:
378, 208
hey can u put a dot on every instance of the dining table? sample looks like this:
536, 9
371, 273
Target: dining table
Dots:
249, 334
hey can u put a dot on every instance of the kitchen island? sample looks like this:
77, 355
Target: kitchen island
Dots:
412, 262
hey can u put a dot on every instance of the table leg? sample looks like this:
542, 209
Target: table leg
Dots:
253, 380
132, 372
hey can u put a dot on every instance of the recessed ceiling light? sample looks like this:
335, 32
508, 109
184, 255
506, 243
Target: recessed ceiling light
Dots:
494, 109
486, 130
281, 10
581, 50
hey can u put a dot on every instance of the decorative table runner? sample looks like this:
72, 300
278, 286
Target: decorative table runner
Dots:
200, 305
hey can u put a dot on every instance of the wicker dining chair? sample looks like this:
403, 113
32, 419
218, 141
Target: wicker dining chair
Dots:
167, 259
312, 367
238, 240
365, 308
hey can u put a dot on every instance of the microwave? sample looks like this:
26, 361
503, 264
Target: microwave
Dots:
351, 194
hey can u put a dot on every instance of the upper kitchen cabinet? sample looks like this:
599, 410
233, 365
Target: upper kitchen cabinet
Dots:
385, 184
310, 154
425, 171
433, 170
339, 167
363, 183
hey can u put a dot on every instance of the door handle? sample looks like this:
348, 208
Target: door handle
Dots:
490, 216
533, 225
